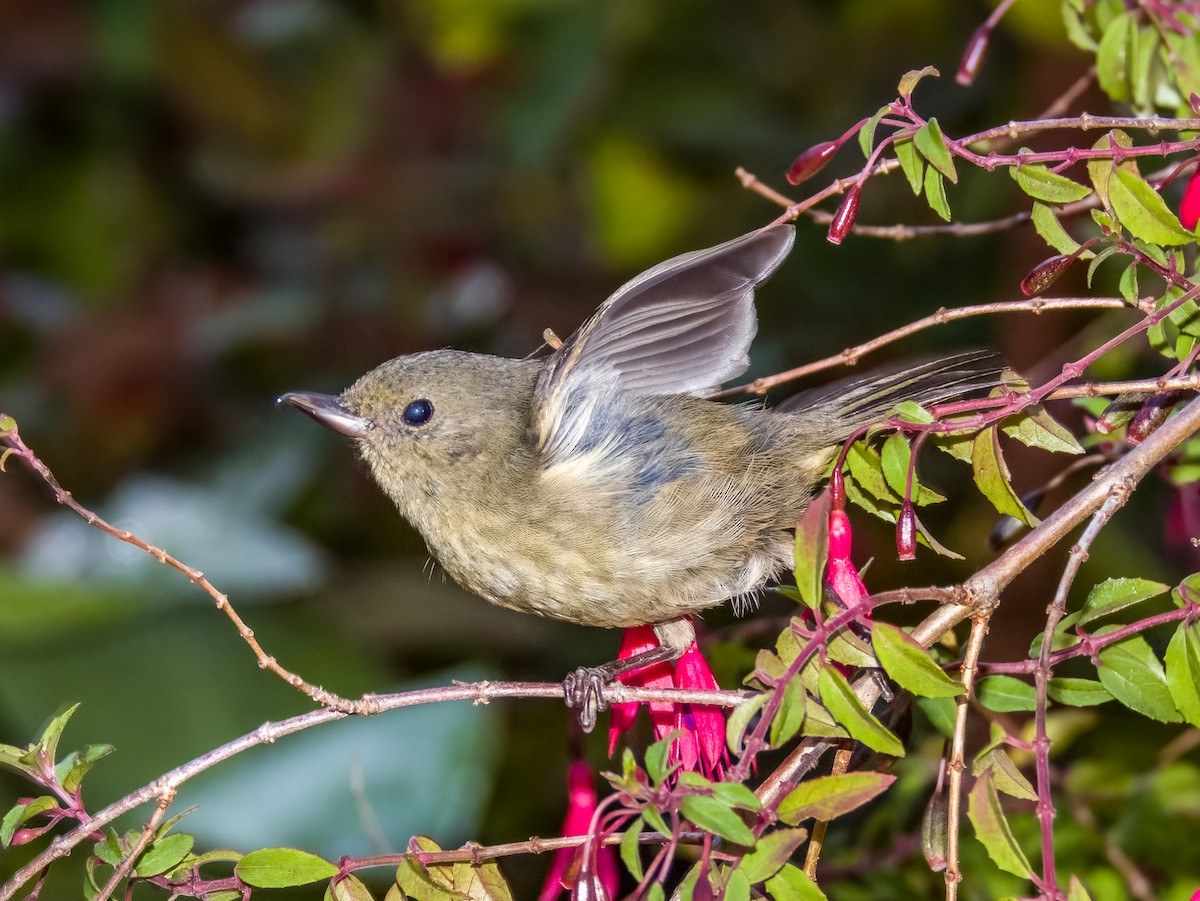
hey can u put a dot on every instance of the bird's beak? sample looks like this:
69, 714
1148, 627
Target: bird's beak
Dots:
328, 410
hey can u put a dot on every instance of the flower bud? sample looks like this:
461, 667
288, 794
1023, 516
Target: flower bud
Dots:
1189, 209
811, 161
1154, 412
1046, 273
906, 531
843, 219
968, 67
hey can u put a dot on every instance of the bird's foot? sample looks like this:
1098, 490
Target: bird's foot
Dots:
583, 692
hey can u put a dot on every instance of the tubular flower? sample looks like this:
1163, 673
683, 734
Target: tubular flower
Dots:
581, 810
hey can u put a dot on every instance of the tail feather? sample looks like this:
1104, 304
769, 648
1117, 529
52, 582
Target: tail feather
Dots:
858, 401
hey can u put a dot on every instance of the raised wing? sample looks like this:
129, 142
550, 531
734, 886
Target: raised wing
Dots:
683, 327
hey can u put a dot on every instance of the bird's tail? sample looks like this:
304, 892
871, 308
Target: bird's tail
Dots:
850, 404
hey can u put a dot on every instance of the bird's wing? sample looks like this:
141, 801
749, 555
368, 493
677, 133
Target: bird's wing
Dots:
682, 327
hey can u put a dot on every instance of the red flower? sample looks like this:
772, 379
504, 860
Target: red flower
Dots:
701, 742
1189, 210
581, 810
840, 573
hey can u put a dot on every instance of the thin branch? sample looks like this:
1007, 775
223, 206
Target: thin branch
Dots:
122, 869
957, 764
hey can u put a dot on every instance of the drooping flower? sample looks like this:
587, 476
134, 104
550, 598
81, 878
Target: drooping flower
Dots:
581, 810
840, 572
1189, 209
700, 740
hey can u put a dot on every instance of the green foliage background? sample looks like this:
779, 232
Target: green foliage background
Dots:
205, 204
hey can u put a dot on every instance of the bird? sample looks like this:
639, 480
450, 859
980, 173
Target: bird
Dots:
599, 484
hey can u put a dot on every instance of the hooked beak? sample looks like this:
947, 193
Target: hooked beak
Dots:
328, 410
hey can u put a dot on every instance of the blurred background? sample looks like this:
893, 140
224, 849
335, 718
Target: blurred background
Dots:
204, 203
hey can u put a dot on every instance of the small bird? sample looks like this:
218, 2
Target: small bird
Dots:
597, 485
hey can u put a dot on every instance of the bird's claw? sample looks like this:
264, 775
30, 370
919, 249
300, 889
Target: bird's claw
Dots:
583, 692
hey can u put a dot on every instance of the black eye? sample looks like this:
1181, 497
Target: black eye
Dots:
418, 412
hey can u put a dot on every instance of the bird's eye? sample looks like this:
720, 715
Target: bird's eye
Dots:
418, 412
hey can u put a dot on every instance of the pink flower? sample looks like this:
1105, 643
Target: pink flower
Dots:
599, 867
700, 744
840, 573
1189, 209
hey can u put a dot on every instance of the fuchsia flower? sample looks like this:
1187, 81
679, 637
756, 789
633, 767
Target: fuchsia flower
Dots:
1189, 209
700, 744
581, 810
840, 572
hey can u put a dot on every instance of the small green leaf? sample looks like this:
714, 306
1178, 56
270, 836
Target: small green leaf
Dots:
1128, 283
1112, 59
1133, 674
1076, 891
348, 888
911, 165
770, 854
283, 867
631, 851
712, 815
1100, 170
992, 830
21, 814
992, 477
48, 743
1005, 694
1143, 211
790, 716
828, 797
812, 543
1050, 187
910, 79
940, 712
1112, 595
1077, 692
739, 720
1034, 427
911, 411
1183, 672
72, 768
819, 722
656, 759
1046, 224
866, 467
736, 795
792, 884
1005, 775
866, 134
737, 886
935, 193
848, 710
166, 853
909, 665
895, 458
931, 144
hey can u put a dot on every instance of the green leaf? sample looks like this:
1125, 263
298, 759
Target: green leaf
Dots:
48, 743
1143, 212
738, 720
1100, 170
1005, 694
848, 710
1076, 891
790, 716
992, 830
1005, 775
909, 665
72, 768
1133, 674
1128, 283
940, 712
656, 759
1112, 59
737, 887
910, 79
460, 881
166, 853
935, 193
993, 479
866, 134
931, 144
771, 853
1183, 672
1077, 692
654, 819
713, 815
895, 457
21, 814
911, 165
283, 867
1112, 595
1046, 224
1034, 427
631, 851
812, 543
736, 795
828, 797
911, 411
819, 722
866, 468
1050, 187
348, 888
792, 884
